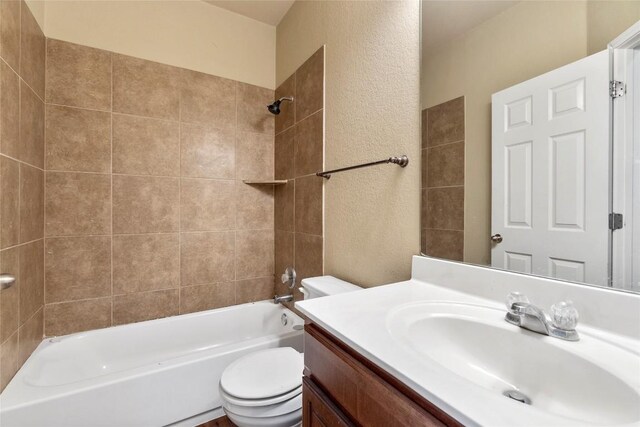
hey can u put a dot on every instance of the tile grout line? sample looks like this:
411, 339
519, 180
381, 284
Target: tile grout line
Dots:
111, 182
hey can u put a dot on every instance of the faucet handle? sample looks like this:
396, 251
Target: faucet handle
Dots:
564, 315
515, 297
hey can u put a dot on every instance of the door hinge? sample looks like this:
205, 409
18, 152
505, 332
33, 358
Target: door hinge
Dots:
617, 89
615, 221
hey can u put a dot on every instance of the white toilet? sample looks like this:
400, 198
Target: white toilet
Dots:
264, 389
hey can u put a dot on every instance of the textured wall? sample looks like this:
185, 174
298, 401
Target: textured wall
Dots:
146, 213
22, 82
184, 33
372, 92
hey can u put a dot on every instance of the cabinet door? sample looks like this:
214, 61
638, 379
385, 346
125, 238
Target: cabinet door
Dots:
318, 410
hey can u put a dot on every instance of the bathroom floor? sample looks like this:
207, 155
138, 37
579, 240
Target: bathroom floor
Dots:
218, 422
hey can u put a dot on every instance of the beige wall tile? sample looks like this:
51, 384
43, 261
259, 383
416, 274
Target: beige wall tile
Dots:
424, 134
284, 154
424, 171
31, 148
207, 151
10, 32
30, 336
445, 165
309, 146
9, 109
284, 206
308, 256
145, 306
447, 244
445, 122
283, 258
252, 290
145, 204
445, 208
9, 202
78, 76
254, 206
9, 356
254, 253
310, 85
207, 205
145, 146
424, 212
77, 268
254, 156
31, 279
207, 99
253, 115
31, 203
10, 298
207, 257
145, 88
145, 262
32, 51
308, 205
207, 297
77, 316
78, 140
286, 118
77, 203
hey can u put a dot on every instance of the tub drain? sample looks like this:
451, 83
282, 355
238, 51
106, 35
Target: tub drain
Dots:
518, 396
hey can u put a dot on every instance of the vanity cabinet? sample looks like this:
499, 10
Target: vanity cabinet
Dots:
342, 388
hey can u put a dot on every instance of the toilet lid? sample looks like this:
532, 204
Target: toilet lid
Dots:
263, 374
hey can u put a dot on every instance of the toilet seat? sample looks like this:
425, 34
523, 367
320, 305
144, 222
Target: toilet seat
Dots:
260, 402
278, 409
264, 374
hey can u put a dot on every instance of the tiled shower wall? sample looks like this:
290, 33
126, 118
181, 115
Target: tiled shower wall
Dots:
299, 154
443, 164
22, 82
146, 214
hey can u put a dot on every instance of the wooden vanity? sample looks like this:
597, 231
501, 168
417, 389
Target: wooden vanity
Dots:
342, 388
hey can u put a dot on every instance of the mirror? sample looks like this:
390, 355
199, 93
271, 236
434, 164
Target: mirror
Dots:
528, 162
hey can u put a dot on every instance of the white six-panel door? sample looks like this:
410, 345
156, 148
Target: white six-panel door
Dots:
550, 173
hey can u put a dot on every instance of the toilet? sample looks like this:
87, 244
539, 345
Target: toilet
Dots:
264, 388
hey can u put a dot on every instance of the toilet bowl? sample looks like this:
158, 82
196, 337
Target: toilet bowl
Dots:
264, 388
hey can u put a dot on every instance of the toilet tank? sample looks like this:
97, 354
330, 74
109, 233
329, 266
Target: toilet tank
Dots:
321, 286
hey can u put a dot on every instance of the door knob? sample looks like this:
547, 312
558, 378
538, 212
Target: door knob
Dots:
6, 280
496, 238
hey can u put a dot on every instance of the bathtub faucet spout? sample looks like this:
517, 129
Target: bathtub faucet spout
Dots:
282, 298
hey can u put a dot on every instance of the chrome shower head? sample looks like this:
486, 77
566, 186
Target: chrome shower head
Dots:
275, 107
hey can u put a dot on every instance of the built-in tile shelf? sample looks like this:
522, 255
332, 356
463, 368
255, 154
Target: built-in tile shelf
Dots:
270, 182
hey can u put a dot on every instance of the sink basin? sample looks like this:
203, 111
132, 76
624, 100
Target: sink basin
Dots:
590, 381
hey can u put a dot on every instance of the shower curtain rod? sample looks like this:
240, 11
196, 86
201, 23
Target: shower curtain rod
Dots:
401, 161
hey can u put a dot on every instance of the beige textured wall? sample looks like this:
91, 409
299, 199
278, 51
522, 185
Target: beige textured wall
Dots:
372, 111
189, 34
526, 40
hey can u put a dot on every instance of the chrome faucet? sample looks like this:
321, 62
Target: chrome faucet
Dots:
282, 298
526, 315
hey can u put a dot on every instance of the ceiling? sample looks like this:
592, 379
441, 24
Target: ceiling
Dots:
267, 11
443, 21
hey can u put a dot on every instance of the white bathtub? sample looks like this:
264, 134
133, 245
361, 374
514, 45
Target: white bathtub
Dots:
154, 373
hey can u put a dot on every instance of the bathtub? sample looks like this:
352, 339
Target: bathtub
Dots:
156, 373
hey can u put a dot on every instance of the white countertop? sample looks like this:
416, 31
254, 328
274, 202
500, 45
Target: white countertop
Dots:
360, 320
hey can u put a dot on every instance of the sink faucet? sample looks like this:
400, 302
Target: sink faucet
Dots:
526, 315
282, 298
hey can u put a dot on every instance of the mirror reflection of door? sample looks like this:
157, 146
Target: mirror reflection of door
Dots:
525, 155
550, 173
